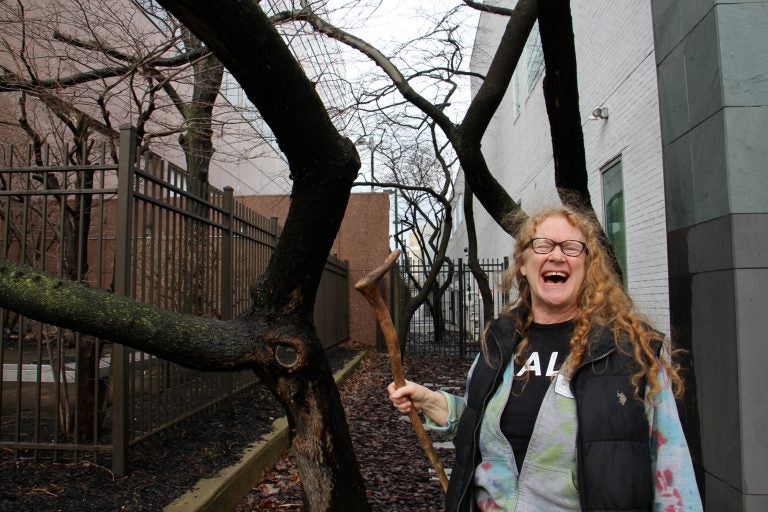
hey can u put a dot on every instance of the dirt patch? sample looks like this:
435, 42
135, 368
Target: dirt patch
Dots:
396, 472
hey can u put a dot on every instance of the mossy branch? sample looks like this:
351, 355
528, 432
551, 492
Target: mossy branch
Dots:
192, 341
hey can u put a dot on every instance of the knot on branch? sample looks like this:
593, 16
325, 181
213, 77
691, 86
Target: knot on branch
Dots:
290, 352
286, 356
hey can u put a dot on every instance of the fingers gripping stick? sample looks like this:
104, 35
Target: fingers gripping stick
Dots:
368, 286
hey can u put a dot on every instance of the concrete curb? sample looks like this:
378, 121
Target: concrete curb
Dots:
227, 489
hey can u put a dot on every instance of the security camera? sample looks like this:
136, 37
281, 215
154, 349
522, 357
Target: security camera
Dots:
599, 113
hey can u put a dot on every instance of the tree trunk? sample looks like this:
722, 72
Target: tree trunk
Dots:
323, 165
198, 113
434, 304
198, 149
561, 95
321, 443
89, 415
467, 140
477, 271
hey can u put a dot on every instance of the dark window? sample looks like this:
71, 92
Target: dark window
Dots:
613, 207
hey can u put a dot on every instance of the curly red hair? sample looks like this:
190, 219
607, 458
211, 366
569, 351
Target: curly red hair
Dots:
602, 301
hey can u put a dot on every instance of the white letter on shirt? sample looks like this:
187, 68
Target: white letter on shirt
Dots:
551, 366
532, 365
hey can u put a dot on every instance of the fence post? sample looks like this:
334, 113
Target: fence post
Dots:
462, 319
120, 435
274, 227
505, 295
226, 253
344, 290
227, 264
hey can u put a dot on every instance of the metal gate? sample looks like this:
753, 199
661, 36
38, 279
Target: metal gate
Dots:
452, 322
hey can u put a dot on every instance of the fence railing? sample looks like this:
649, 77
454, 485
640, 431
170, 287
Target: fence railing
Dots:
451, 323
141, 228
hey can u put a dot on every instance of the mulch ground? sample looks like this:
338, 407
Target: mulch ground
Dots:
166, 466
397, 474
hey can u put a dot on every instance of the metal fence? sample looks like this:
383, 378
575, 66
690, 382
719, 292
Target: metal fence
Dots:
141, 228
451, 323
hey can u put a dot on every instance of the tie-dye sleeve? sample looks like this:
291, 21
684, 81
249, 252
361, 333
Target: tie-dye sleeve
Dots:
456, 406
675, 482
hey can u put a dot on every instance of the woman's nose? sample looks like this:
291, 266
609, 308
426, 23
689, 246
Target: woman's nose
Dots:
556, 254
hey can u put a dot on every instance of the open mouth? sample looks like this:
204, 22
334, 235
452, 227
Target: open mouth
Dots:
554, 277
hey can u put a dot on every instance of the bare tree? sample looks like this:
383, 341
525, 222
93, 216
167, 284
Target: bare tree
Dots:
118, 61
560, 92
323, 167
79, 101
422, 175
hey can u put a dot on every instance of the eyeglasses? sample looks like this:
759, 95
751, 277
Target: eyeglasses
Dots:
546, 246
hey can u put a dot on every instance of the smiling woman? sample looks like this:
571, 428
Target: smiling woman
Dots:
569, 406
554, 266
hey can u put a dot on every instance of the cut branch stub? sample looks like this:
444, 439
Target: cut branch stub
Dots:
290, 351
286, 356
368, 286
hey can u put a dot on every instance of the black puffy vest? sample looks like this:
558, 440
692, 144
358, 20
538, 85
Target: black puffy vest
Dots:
613, 450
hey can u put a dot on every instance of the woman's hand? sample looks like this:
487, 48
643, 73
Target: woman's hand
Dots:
417, 397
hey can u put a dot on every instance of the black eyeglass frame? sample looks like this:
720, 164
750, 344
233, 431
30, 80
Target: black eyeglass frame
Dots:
567, 252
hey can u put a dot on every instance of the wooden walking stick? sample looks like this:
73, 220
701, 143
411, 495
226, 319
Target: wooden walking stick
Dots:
368, 286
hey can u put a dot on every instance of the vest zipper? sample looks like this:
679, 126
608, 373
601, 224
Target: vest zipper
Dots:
475, 432
579, 460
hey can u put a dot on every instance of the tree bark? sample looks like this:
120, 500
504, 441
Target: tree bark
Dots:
323, 165
474, 265
494, 198
561, 95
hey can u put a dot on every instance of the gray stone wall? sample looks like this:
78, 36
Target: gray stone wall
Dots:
713, 93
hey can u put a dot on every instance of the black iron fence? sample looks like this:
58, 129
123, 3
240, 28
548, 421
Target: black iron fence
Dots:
141, 228
451, 322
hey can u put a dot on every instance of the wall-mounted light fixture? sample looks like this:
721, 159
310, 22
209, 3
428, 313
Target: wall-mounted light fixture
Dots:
368, 142
364, 141
598, 113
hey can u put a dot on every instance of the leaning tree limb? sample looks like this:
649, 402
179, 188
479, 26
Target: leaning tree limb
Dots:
368, 286
195, 342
